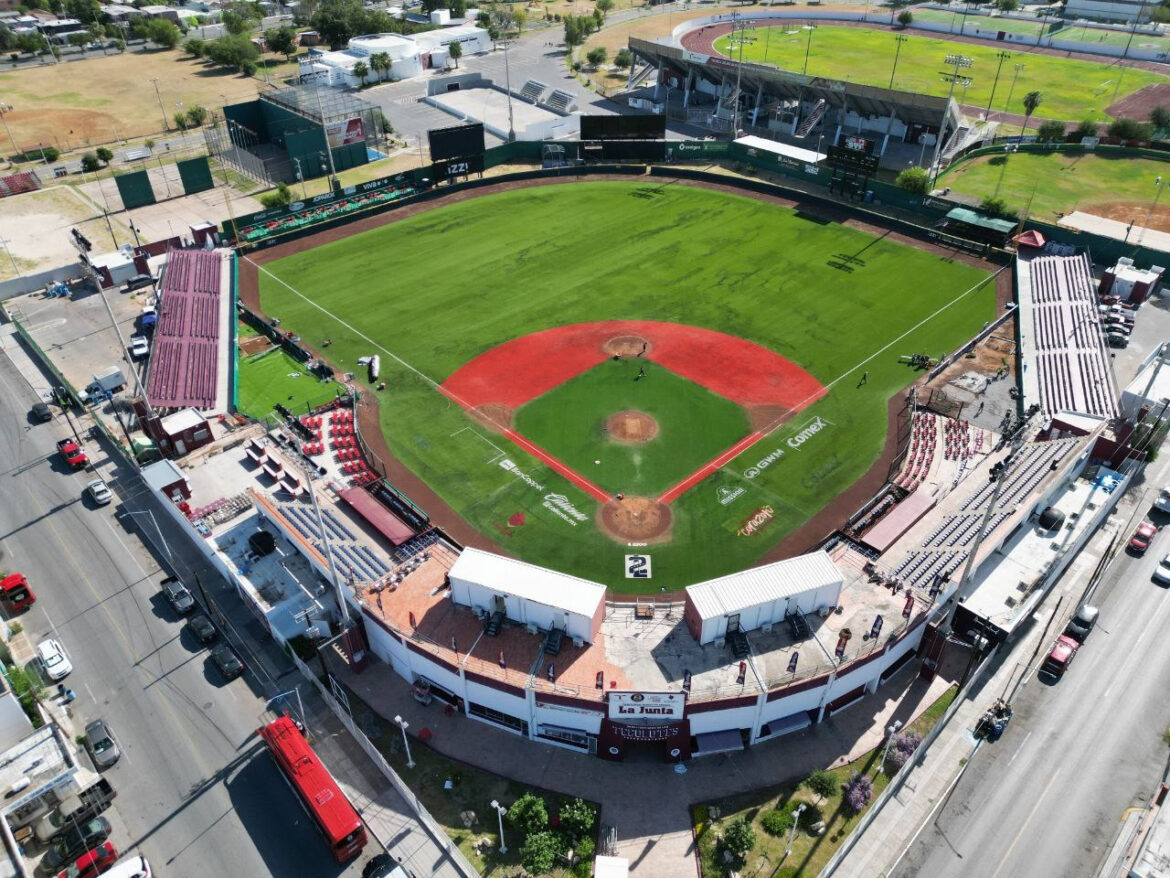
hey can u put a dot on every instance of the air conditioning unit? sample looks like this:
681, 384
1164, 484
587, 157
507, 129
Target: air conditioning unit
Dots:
720, 642
532, 629
578, 642
766, 628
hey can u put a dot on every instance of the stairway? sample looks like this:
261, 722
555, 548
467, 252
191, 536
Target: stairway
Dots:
813, 118
494, 624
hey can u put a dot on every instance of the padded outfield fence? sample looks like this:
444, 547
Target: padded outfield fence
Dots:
913, 214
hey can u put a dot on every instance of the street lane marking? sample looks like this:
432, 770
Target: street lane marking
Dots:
1019, 748
1024, 825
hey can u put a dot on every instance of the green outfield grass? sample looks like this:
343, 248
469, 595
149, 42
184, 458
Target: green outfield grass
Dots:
1092, 36
1058, 183
443, 286
971, 24
1070, 89
694, 426
274, 377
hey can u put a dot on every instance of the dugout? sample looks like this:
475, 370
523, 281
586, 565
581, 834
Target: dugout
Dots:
284, 134
762, 597
975, 226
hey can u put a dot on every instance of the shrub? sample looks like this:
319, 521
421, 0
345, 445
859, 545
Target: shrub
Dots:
913, 180
15, 628
596, 57
1051, 131
776, 822
905, 17
902, 749
577, 817
194, 47
90, 163
105, 154
996, 207
281, 197
623, 59
858, 792
1087, 128
529, 813
540, 852
1130, 129
738, 838
823, 783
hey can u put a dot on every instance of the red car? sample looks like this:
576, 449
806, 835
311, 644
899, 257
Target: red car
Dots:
1142, 537
93, 863
1061, 656
15, 595
73, 454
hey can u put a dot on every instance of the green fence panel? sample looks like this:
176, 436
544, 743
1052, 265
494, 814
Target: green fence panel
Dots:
195, 174
135, 189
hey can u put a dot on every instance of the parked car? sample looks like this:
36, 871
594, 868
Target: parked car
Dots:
1116, 340
139, 346
135, 866
72, 454
178, 595
1162, 571
41, 412
1162, 503
74, 809
99, 492
1110, 300
1142, 537
1082, 622
93, 863
1064, 650
100, 743
385, 866
138, 282
51, 656
205, 632
228, 663
15, 594
76, 841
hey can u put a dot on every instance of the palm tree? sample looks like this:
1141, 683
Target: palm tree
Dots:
456, 51
361, 71
380, 63
1032, 100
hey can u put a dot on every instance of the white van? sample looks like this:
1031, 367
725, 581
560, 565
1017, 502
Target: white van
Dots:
134, 866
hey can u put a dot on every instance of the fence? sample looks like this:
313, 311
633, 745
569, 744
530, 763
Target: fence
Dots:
421, 813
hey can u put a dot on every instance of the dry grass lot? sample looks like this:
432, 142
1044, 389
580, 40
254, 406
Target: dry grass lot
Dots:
108, 98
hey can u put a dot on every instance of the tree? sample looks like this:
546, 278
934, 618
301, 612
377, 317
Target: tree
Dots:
519, 18
1032, 100
196, 116
994, 207
623, 59
105, 154
540, 852
1160, 118
529, 813
915, 180
776, 822
233, 50
120, 45
281, 197
163, 33
240, 16
824, 783
738, 838
575, 31
1088, 128
1051, 131
606, 6
858, 792
380, 63
1007, 5
90, 163
905, 18
194, 47
1130, 129
181, 120
79, 39
456, 52
596, 57
577, 817
282, 40
361, 71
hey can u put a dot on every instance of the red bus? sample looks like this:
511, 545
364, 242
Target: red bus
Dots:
315, 787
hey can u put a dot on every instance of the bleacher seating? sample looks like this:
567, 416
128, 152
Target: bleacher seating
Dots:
559, 101
21, 181
533, 90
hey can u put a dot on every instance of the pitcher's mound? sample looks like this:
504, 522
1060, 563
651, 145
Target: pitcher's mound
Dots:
627, 346
631, 428
636, 520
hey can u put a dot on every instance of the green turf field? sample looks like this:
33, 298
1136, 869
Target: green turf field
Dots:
1058, 183
695, 426
972, 25
274, 377
1093, 36
1070, 89
445, 285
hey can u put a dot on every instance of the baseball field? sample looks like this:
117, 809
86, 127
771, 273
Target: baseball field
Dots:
722, 363
1070, 88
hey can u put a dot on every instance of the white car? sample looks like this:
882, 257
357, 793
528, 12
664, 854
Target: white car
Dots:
51, 655
1162, 571
99, 492
139, 346
1162, 504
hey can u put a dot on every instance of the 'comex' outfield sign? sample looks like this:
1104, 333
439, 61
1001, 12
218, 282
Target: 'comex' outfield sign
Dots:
793, 442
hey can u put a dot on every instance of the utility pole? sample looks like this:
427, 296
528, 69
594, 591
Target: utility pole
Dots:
898, 40
1002, 56
5, 109
1007, 105
508, 85
161, 108
301, 177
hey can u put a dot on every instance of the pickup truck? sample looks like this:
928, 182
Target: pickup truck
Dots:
178, 595
72, 453
75, 809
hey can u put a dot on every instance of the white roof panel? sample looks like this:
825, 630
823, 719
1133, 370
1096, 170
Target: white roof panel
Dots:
763, 585
529, 582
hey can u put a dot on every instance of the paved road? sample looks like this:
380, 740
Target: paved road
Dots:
1048, 798
195, 794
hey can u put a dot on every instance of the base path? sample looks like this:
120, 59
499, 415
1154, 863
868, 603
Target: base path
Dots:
567, 471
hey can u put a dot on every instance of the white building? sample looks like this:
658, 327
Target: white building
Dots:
409, 55
1109, 10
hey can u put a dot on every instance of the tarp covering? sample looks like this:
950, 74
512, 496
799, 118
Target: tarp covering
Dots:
882, 535
1030, 238
380, 518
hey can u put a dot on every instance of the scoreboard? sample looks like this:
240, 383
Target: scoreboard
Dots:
449, 169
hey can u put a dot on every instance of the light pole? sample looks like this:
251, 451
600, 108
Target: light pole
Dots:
1159, 185
898, 40
807, 47
500, 812
15, 267
301, 177
1007, 151
5, 109
1003, 56
161, 108
957, 62
890, 732
404, 725
792, 830
1008, 103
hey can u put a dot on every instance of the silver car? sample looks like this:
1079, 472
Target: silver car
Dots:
100, 743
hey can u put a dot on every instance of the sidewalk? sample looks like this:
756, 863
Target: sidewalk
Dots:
646, 801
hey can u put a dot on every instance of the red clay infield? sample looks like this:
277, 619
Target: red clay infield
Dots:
524, 368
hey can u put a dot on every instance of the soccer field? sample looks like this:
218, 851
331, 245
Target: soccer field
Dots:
437, 290
1070, 89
